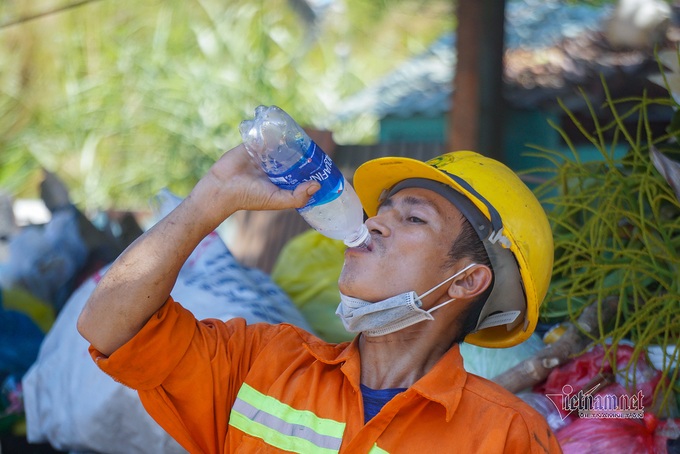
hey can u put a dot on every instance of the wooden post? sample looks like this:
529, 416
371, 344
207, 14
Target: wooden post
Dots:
476, 117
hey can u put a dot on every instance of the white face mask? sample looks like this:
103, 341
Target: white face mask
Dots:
389, 315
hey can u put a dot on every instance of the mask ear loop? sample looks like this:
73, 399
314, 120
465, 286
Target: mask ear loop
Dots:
420, 298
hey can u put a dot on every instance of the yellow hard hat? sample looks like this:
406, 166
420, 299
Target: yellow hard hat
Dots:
509, 219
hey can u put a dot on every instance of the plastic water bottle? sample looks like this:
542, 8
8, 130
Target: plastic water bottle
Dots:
289, 157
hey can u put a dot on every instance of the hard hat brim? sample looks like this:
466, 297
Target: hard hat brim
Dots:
373, 178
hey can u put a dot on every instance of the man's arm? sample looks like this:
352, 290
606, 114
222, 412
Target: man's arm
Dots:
140, 280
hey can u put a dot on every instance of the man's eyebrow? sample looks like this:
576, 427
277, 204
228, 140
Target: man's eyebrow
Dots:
411, 201
388, 202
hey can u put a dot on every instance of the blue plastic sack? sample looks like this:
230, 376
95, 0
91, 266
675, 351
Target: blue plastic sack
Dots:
20, 340
491, 362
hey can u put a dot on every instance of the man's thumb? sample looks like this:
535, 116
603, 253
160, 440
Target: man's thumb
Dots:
304, 191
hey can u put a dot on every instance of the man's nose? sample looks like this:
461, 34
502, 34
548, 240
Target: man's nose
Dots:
378, 224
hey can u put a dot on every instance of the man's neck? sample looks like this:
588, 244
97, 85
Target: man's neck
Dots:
400, 359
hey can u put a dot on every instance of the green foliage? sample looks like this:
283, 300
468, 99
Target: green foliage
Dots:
123, 98
616, 226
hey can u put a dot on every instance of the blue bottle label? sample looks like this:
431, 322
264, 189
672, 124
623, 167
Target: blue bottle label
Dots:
314, 165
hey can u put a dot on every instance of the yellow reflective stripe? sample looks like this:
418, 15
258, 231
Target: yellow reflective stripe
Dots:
377, 450
283, 426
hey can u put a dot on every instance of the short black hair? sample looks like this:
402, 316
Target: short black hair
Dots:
468, 245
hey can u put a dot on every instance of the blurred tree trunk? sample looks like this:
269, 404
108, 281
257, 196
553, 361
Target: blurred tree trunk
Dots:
476, 116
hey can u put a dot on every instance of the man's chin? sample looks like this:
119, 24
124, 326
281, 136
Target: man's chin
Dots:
348, 284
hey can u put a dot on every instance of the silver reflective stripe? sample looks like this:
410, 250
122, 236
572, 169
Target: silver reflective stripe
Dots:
283, 427
280, 425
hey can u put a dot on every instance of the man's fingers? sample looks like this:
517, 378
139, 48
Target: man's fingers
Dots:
304, 191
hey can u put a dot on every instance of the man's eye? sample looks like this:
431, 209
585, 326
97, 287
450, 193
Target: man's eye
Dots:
415, 219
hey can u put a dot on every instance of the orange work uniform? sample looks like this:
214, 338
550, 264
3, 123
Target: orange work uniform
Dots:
229, 387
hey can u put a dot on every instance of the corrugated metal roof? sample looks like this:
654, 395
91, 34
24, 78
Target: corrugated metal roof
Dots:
422, 84
536, 24
551, 46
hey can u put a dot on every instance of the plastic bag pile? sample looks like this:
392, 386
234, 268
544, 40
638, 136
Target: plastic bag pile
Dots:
48, 376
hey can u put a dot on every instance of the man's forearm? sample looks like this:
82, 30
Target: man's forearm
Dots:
140, 280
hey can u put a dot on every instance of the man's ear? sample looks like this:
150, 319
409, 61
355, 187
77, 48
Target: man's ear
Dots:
472, 283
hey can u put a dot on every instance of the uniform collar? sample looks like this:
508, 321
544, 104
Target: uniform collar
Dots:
333, 353
346, 353
443, 384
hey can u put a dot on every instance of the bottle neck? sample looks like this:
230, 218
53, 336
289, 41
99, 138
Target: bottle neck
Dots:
359, 238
